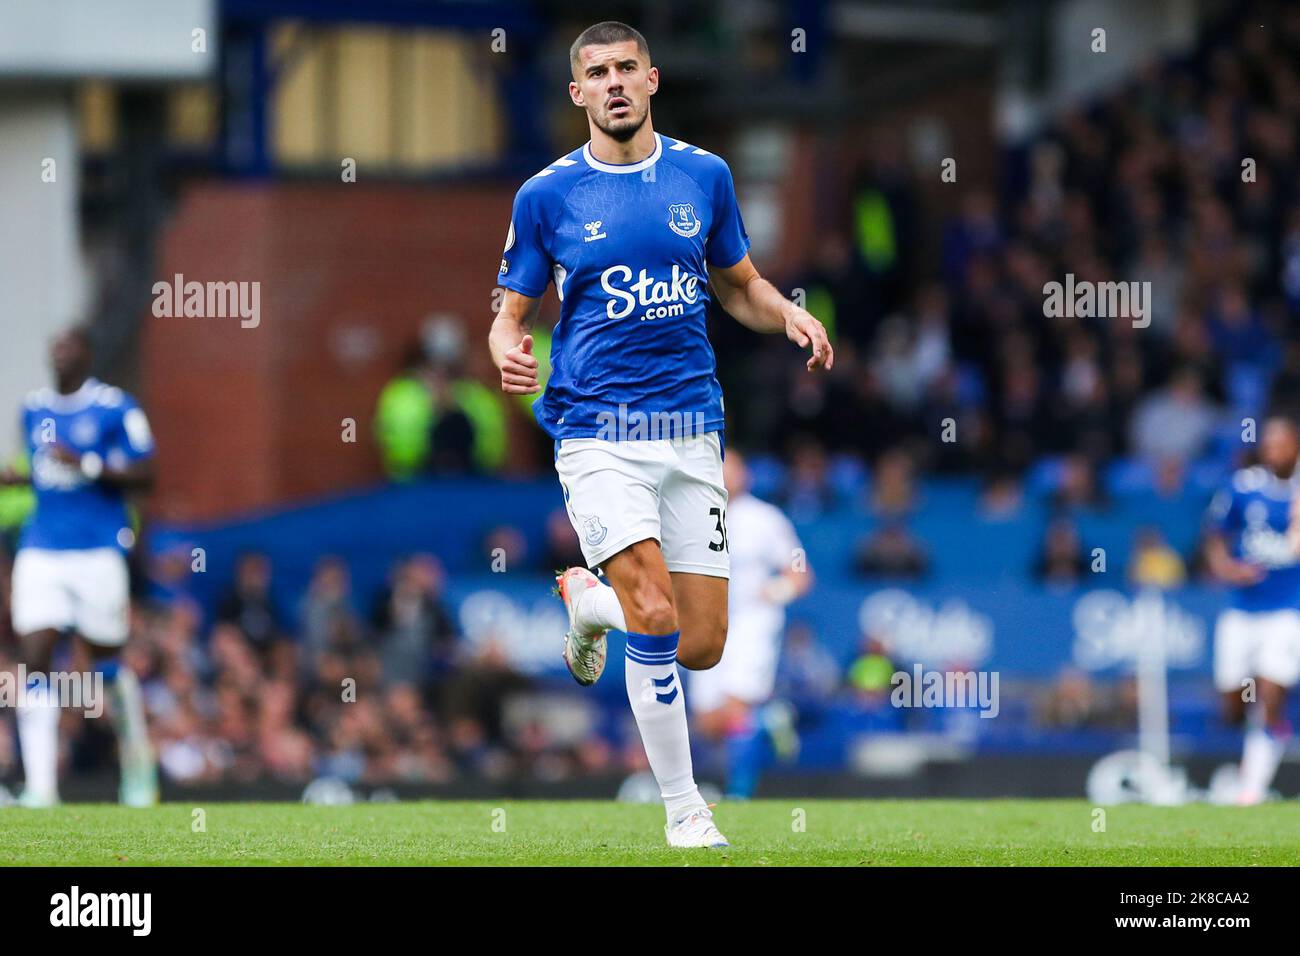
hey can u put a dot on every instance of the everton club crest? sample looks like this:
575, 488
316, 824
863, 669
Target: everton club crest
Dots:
682, 219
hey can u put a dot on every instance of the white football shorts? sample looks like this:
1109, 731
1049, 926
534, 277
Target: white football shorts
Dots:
1258, 644
747, 670
619, 493
84, 591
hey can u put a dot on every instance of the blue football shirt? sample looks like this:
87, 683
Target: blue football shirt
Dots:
1253, 512
628, 248
73, 513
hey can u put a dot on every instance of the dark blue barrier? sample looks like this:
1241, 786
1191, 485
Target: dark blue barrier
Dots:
977, 608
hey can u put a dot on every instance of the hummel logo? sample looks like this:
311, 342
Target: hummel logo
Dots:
594, 229
669, 697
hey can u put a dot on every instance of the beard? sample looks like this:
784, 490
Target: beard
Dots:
628, 127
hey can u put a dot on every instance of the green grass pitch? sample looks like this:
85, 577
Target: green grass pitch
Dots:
762, 832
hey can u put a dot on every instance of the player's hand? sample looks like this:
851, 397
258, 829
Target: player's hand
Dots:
519, 370
64, 454
779, 591
1242, 574
803, 329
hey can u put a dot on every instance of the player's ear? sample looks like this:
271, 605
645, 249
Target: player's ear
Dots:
575, 94
652, 80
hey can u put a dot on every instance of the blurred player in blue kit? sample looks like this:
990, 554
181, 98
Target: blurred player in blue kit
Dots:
635, 229
89, 446
1257, 637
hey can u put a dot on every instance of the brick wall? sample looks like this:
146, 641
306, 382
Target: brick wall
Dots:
248, 417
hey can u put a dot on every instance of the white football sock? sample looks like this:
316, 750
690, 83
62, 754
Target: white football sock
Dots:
654, 689
38, 735
128, 719
598, 610
1259, 759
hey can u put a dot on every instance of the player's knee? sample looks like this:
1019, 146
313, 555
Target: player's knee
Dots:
651, 612
707, 657
704, 647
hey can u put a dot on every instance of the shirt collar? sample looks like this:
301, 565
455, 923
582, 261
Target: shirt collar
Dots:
646, 163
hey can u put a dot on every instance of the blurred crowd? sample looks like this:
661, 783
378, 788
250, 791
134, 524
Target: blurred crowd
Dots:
1187, 178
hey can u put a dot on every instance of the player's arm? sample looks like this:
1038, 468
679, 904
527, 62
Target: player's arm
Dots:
788, 586
512, 346
1224, 516
1225, 567
137, 475
794, 577
755, 303
127, 464
132, 475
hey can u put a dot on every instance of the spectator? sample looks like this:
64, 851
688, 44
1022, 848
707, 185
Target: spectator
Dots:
562, 548
1175, 423
248, 604
1154, 563
806, 670
870, 675
1078, 488
469, 426
473, 704
1076, 702
893, 490
414, 629
1061, 560
1002, 498
404, 418
808, 492
833, 290
453, 439
328, 619
504, 548
891, 552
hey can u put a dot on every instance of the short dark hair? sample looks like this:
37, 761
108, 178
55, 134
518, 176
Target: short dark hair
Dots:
607, 31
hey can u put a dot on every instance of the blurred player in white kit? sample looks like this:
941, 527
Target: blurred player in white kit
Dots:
732, 702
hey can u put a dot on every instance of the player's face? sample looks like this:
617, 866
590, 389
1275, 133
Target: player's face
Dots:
68, 355
614, 83
1279, 446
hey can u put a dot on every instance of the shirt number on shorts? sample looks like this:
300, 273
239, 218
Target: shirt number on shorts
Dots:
720, 516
